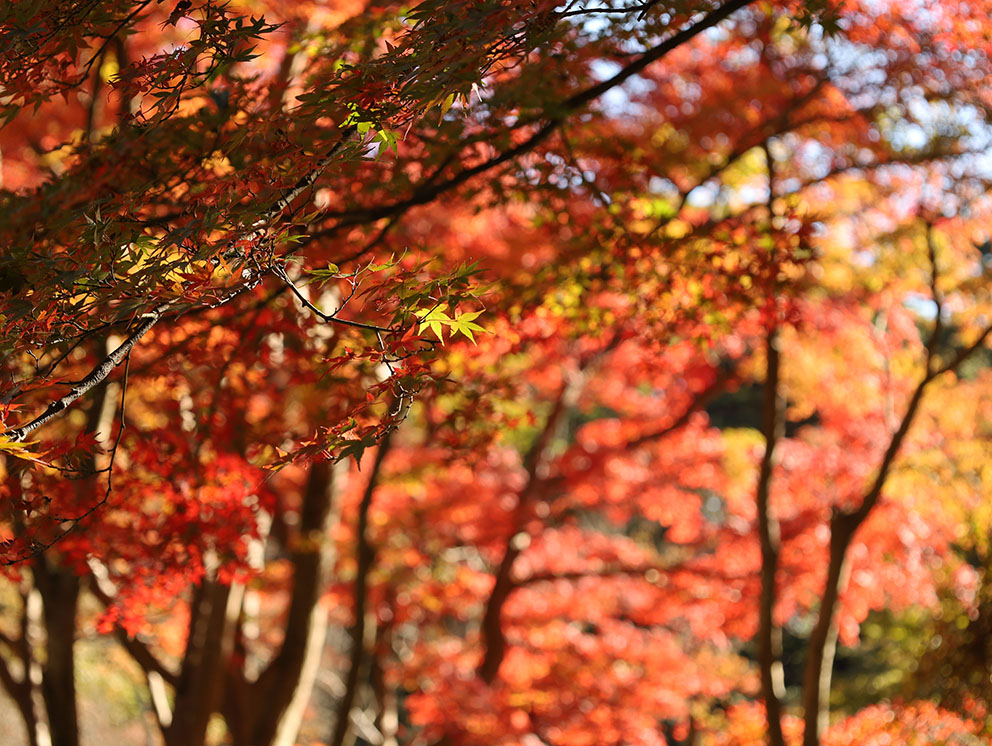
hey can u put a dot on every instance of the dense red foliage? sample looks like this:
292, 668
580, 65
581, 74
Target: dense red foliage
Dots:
563, 357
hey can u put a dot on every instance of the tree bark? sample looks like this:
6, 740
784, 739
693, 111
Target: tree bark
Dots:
92, 379
199, 688
270, 709
366, 558
769, 634
32, 635
386, 714
843, 526
492, 620
493, 635
815, 698
59, 590
19, 688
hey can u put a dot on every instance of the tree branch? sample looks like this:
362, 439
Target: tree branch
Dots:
845, 524
603, 572
700, 401
92, 379
142, 654
493, 635
330, 318
429, 192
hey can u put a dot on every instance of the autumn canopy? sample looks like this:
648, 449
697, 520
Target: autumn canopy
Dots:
491, 372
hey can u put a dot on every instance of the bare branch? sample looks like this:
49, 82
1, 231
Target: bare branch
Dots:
845, 524
92, 379
428, 192
330, 318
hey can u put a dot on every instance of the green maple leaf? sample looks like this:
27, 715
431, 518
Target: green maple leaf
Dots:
465, 324
436, 320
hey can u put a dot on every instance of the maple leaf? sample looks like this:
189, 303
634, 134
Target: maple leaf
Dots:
22, 450
437, 320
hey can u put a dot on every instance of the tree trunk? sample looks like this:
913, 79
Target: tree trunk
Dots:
59, 590
199, 689
32, 636
366, 557
269, 711
493, 635
291, 718
492, 620
813, 677
769, 635
20, 688
843, 526
387, 715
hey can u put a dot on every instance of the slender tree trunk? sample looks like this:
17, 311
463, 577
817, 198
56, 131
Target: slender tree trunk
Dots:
827, 672
492, 620
291, 717
59, 590
29, 715
357, 633
199, 689
769, 634
269, 711
32, 635
493, 634
387, 717
843, 526
814, 678
20, 688
38, 735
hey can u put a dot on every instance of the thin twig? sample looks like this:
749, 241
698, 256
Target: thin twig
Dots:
330, 318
